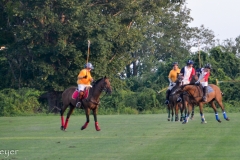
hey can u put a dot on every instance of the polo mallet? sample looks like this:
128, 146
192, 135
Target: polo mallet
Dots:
162, 90
88, 50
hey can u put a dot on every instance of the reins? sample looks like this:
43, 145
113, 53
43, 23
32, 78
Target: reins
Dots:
89, 99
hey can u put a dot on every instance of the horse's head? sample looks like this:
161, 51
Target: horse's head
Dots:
103, 84
178, 90
107, 85
194, 79
179, 80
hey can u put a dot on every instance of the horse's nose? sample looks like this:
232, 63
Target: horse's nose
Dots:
110, 91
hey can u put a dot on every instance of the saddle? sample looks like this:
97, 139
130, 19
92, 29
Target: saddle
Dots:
85, 93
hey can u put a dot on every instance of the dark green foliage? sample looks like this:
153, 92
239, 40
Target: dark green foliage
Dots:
132, 42
17, 102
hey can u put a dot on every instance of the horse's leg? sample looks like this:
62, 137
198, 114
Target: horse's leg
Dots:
172, 109
87, 112
223, 111
68, 116
192, 112
185, 104
181, 110
168, 108
215, 110
95, 119
201, 113
176, 111
188, 109
62, 117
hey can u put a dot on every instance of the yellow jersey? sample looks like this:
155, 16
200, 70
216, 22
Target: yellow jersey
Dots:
85, 81
173, 74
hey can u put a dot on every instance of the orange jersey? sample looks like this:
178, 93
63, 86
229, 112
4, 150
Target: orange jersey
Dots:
86, 81
173, 74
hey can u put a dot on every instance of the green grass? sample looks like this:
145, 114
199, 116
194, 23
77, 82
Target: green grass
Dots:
123, 137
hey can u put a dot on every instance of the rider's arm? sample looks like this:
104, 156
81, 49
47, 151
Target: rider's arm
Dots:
201, 76
90, 78
193, 72
82, 74
169, 77
182, 72
170, 80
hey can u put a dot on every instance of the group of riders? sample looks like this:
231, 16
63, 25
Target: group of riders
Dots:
85, 79
187, 72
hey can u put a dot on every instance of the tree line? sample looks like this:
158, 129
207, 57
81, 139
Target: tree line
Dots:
132, 42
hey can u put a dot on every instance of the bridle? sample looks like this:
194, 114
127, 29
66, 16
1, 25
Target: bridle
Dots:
103, 87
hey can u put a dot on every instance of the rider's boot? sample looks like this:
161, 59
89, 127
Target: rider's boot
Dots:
167, 96
79, 99
205, 93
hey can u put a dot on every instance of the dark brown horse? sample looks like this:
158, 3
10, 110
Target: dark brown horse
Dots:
90, 103
175, 106
196, 94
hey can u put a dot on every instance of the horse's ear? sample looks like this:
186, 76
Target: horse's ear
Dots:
105, 77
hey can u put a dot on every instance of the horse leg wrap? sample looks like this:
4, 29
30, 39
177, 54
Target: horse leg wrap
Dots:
66, 123
216, 115
84, 126
202, 117
97, 126
62, 120
186, 119
224, 115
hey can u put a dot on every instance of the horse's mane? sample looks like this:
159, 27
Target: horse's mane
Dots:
96, 82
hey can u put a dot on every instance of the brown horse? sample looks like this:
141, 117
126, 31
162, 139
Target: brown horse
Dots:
195, 92
187, 102
175, 106
90, 103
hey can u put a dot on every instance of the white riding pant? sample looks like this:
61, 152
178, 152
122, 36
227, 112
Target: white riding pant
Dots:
81, 87
171, 85
204, 84
185, 82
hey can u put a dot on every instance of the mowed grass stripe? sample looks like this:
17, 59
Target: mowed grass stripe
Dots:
45, 138
121, 137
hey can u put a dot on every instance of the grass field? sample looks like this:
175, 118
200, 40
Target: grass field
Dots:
125, 137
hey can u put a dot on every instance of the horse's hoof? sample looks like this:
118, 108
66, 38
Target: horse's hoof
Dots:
227, 119
219, 121
191, 118
168, 119
82, 128
184, 122
62, 128
97, 126
203, 122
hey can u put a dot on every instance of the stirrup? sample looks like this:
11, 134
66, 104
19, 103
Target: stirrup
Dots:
78, 105
166, 102
179, 99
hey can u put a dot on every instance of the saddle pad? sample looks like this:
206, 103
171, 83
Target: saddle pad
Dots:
75, 94
209, 89
85, 95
